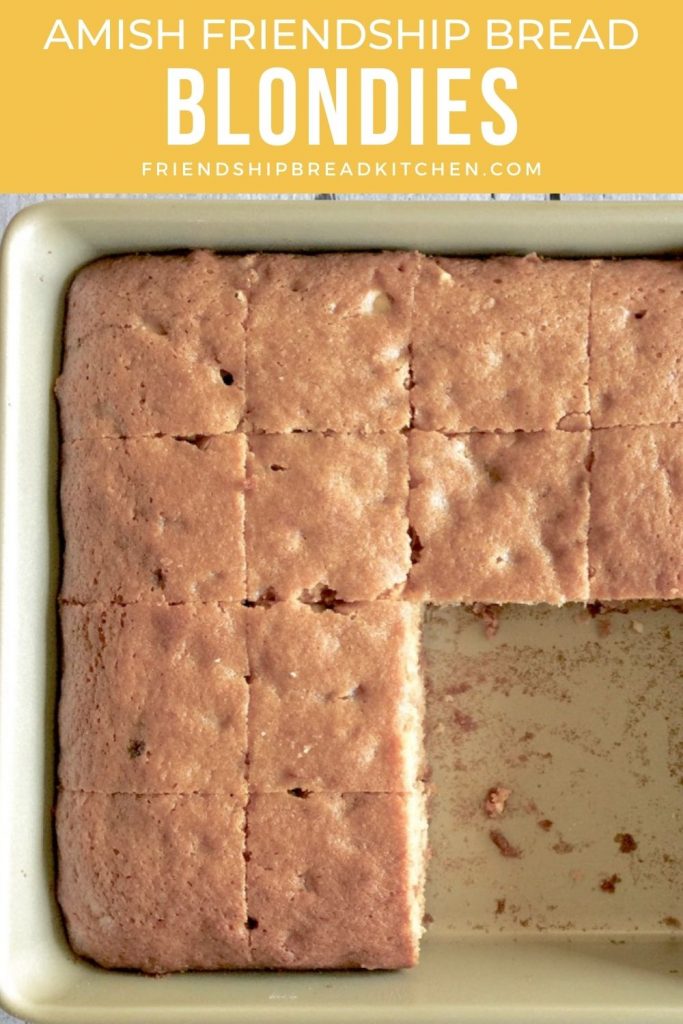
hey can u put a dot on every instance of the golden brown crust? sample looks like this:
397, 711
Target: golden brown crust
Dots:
636, 351
153, 882
326, 513
501, 344
154, 699
636, 527
155, 344
500, 517
327, 342
335, 698
334, 880
154, 519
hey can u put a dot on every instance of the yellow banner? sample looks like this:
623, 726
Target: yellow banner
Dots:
341, 97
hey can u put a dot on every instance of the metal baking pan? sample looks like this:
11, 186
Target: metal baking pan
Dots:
566, 908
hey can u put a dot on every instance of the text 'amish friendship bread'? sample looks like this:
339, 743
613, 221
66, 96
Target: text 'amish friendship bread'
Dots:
269, 463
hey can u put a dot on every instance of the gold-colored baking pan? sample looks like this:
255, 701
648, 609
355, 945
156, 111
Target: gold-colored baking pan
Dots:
569, 906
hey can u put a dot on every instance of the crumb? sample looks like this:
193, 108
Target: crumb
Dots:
546, 824
427, 919
573, 421
136, 748
562, 846
465, 721
596, 608
610, 884
490, 617
496, 799
503, 844
627, 843
671, 922
604, 627
500, 907
637, 627
457, 689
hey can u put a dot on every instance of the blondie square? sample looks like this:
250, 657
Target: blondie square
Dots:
327, 342
155, 344
326, 515
336, 698
499, 517
154, 519
637, 342
153, 882
501, 344
636, 527
154, 699
335, 881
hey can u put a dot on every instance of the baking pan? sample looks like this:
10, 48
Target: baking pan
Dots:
567, 907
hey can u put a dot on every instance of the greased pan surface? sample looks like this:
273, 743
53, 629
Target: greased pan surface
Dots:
579, 716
